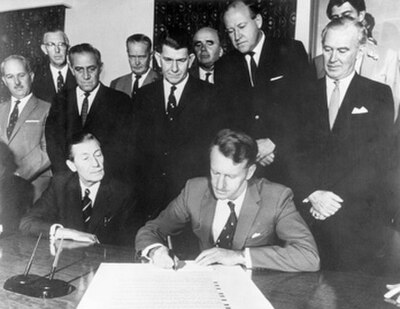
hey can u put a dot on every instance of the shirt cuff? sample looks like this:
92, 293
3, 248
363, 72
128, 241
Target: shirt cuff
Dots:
53, 230
247, 258
145, 251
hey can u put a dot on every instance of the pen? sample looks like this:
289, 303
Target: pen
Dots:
171, 252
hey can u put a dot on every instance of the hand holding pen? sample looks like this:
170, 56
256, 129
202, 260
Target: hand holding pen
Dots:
171, 254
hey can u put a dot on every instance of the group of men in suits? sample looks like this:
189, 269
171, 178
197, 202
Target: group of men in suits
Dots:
323, 138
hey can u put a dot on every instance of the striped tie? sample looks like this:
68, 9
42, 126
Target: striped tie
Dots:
86, 208
13, 119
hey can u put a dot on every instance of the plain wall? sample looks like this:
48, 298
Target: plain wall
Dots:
106, 24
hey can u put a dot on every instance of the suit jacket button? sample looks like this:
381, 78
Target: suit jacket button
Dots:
256, 117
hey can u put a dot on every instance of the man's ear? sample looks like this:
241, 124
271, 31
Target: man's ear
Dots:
157, 55
32, 76
361, 16
71, 165
191, 59
251, 171
259, 21
43, 48
221, 51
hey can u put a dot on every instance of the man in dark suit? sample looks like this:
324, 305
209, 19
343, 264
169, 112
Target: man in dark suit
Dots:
84, 205
54, 76
22, 120
207, 48
93, 107
346, 127
138, 48
175, 122
237, 219
259, 80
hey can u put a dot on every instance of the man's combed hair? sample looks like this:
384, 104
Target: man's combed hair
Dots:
359, 5
237, 146
253, 5
79, 138
176, 39
139, 38
25, 61
346, 21
85, 48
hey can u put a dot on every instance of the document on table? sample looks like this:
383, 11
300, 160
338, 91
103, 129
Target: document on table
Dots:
145, 286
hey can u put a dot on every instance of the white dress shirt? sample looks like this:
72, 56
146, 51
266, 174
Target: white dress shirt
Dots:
21, 105
80, 96
343, 86
178, 90
54, 74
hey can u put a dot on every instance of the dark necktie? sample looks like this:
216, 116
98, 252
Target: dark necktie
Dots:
135, 85
85, 107
171, 104
253, 67
86, 208
226, 237
60, 82
208, 77
13, 119
334, 104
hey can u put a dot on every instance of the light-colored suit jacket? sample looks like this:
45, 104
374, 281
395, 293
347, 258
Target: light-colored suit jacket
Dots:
268, 224
27, 141
124, 83
380, 64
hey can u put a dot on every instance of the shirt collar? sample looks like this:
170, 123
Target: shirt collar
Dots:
93, 93
22, 101
258, 48
63, 70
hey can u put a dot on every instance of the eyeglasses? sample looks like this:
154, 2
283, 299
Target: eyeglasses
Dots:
59, 45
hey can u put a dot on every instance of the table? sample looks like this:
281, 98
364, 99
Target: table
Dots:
321, 289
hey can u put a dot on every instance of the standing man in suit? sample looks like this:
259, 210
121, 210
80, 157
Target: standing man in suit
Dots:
377, 62
259, 80
22, 121
138, 48
94, 108
54, 76
207, 48
346, 132
84, 205
236, 219
175, 121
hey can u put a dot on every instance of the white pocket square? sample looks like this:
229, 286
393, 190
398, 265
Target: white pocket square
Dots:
276, 78
361, 110
255, 235
32, 121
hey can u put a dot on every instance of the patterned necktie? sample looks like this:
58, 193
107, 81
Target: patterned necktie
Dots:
135, 85
85, 107
253, 67
60, 82
86, 208
208, 77
13, 119
171, 104
334, 104
226, 237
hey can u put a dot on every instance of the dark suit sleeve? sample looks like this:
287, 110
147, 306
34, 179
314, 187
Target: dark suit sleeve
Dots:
43, 214
55, 133
299, 250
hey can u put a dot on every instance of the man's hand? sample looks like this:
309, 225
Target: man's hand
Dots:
161, 258
266, 149
75, 235
393, 290
324, 204
220, 256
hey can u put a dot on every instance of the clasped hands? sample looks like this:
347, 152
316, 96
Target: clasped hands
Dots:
161, 257
75, 235
393, 290
323, 204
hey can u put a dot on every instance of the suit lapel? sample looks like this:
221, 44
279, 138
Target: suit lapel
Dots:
322, 113
97, 105
342, 123
74, 202
127, 84
102, 207
30, 106
207, 212
247, 215
4, 112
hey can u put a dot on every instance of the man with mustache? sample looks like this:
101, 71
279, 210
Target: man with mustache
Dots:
22, 121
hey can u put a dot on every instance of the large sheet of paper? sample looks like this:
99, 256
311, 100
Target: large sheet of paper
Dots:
145, 286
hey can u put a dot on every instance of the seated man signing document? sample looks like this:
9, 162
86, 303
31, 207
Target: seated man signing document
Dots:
237, 220
84, 205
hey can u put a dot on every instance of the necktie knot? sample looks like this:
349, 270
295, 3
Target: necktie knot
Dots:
138, 76
87, 94
17, 102
251, 53
87, 193
231, 206
173, 88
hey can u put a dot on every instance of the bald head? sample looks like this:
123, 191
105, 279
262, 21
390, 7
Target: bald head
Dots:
207, 47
